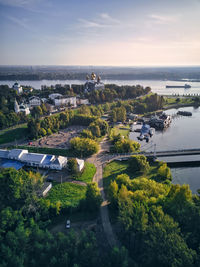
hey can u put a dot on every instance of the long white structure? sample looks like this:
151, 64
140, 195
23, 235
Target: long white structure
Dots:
38, 160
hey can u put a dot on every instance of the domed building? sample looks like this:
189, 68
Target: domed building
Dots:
93, 82
21, 108
18, 88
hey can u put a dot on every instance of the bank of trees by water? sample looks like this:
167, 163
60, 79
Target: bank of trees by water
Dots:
159, 221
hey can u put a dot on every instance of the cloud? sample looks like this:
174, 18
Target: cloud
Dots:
20, 22
102, 20
108, 18
18, 3
163, 19
90, 24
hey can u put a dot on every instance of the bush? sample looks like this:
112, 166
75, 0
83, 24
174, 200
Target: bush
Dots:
84, 147
139, 163
72, 166
93, 197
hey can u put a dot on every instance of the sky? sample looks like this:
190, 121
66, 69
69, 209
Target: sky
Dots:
102, 32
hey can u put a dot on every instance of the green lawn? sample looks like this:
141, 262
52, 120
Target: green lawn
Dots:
114, 168
87, 174
10, 135
68, 193
123, 130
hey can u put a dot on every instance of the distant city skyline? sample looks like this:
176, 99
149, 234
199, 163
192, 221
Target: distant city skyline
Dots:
100, 33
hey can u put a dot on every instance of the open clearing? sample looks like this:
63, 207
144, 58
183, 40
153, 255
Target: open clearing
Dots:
60, 139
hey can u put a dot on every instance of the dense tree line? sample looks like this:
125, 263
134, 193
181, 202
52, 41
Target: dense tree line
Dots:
7, 115
25, 238
51, 124
160, 222
113, 92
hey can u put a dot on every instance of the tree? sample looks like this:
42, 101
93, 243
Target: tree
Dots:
164, 172
113, 193
72, 166
84, 146
93, 197
37, 112
123, 179
139, 163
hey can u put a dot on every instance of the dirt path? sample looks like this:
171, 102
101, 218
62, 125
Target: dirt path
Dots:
99, 159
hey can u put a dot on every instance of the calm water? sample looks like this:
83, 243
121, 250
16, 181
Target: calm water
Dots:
158, 87
189, 176
184, 132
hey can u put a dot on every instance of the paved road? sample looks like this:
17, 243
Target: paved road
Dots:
99, 160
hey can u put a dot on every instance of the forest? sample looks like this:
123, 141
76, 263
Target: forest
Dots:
159, 221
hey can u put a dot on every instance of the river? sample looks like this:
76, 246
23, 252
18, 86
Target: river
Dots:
157, 86
184, 132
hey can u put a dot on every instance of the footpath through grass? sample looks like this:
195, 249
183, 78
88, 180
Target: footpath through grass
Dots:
87, 174
13, 134
68, 194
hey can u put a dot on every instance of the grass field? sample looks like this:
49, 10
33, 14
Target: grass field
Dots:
87, 174
68, 193
114, 168
12, 134
123, 130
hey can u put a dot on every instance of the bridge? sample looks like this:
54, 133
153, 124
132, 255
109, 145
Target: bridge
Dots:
181, 157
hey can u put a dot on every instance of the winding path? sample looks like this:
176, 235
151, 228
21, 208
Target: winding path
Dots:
99, 159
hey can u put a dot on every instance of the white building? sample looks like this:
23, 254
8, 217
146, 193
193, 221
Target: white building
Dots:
81, 101
45, 189
38, 160
18, 88
65, 101
80, 163
34, 101
21, 108
59, 163
53, 96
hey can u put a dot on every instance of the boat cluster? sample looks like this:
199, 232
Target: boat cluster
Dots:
160, 122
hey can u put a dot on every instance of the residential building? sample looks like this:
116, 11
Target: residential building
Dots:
63, 101
34, 101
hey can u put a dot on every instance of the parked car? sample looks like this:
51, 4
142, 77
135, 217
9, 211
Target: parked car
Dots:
68, 224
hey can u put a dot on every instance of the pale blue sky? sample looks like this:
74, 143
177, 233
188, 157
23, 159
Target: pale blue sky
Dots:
106, 32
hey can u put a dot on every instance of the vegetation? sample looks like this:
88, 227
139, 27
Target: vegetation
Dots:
72, 166
47, 150
123, 145
87, 174
68, 194
155, 216
84, 147
93, 197
11, 135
